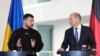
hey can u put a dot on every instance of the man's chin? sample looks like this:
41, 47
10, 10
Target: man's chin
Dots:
30, 27
71, 25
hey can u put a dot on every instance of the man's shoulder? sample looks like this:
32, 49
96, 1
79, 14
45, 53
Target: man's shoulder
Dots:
34, 30
17, 30
69, 29
86, 27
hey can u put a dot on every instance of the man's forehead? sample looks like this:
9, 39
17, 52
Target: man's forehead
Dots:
30, 18
74, 13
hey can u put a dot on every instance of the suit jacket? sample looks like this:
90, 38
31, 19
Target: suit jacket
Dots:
86, 38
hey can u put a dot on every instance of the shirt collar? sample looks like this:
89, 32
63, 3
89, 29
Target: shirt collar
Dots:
79, 26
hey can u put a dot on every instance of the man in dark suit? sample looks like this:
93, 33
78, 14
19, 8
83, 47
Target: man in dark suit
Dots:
78, 37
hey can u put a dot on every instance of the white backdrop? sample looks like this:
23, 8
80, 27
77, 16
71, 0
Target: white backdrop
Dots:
45, 12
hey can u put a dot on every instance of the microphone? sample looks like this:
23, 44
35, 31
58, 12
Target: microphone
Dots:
84, 48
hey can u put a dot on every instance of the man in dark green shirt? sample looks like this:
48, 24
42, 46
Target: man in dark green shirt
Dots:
26, 38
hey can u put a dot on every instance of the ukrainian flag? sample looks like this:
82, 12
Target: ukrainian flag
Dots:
14, 21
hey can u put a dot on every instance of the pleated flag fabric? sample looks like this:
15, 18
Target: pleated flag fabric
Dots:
95, 23
15, 21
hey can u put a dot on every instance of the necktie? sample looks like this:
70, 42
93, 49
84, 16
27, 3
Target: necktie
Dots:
76, 35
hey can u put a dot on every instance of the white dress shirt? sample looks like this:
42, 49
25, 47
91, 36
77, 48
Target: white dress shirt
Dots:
78, 30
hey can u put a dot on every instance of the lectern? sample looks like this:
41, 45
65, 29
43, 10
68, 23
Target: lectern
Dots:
77, 53
15, 53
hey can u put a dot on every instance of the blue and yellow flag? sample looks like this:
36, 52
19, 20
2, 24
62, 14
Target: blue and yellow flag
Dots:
14, 21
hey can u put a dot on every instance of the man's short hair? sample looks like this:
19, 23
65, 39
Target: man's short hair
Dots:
77, 15
27, 15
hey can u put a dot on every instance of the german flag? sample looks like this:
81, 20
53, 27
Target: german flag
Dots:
14, 21
95, 23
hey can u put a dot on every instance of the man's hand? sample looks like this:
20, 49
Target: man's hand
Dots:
61, 49
19, 43
33, 43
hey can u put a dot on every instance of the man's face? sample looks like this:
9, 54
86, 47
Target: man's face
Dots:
73, 20
29, 22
